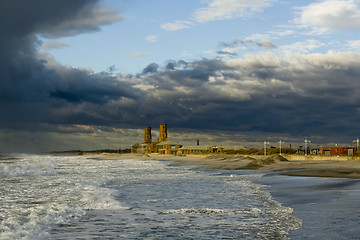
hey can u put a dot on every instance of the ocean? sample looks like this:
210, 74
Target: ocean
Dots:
80, 197
328, 207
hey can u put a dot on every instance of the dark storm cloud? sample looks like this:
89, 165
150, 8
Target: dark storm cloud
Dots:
52, 18
303, 94
81, 86
29, 87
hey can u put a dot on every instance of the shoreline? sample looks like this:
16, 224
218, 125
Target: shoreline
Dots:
273, 163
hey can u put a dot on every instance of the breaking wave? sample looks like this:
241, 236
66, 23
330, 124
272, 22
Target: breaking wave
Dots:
57, 197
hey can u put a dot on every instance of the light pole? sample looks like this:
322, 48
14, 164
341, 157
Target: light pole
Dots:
357, 144
265, 143
280, 145
306, 142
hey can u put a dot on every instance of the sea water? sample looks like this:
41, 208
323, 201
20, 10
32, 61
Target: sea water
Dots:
79, 197
328, 207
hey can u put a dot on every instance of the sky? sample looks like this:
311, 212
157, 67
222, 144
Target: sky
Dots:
90, 74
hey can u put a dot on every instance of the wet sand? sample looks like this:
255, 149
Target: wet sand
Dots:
276, 163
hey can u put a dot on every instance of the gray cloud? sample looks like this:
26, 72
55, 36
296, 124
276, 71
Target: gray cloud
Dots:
229, 50
299, 95
226, 54
151, 68
86, 20
304, 94
30, 90
53, 18
239, 42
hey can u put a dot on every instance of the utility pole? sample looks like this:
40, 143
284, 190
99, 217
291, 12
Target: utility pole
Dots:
306, 142
265, 143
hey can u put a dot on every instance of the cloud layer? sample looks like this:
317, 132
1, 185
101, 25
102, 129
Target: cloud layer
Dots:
297, 94
30, 86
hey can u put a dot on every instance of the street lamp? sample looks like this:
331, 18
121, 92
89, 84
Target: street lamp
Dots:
265, 143
357, 144
280, 145
306, 142
281, 142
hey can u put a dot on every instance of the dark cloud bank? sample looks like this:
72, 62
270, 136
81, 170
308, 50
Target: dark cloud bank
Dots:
297, 96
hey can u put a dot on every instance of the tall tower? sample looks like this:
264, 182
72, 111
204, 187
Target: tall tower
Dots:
163, 133
147, 135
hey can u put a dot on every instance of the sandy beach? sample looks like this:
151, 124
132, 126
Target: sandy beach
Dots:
276, 163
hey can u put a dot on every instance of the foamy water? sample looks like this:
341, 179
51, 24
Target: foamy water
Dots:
60, 197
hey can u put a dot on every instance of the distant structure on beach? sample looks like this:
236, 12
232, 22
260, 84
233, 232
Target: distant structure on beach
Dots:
337, 151
164, 146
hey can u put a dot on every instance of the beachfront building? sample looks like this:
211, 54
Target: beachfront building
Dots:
198, 150
193, 149
168, 147
226, 149
140, 148
216, 149
336, 151
162, 145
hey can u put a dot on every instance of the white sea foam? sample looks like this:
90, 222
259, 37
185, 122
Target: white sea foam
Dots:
48, 197
98, 198
211, 211
27, 167
37, 193
35, 222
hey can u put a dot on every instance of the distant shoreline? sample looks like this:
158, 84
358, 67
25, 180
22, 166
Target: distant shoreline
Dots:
275, 163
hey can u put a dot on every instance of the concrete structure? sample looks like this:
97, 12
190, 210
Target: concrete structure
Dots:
198, 150
226, 149
168, 147
216, 149
162, 145
194, 150
147, 135
163, 133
